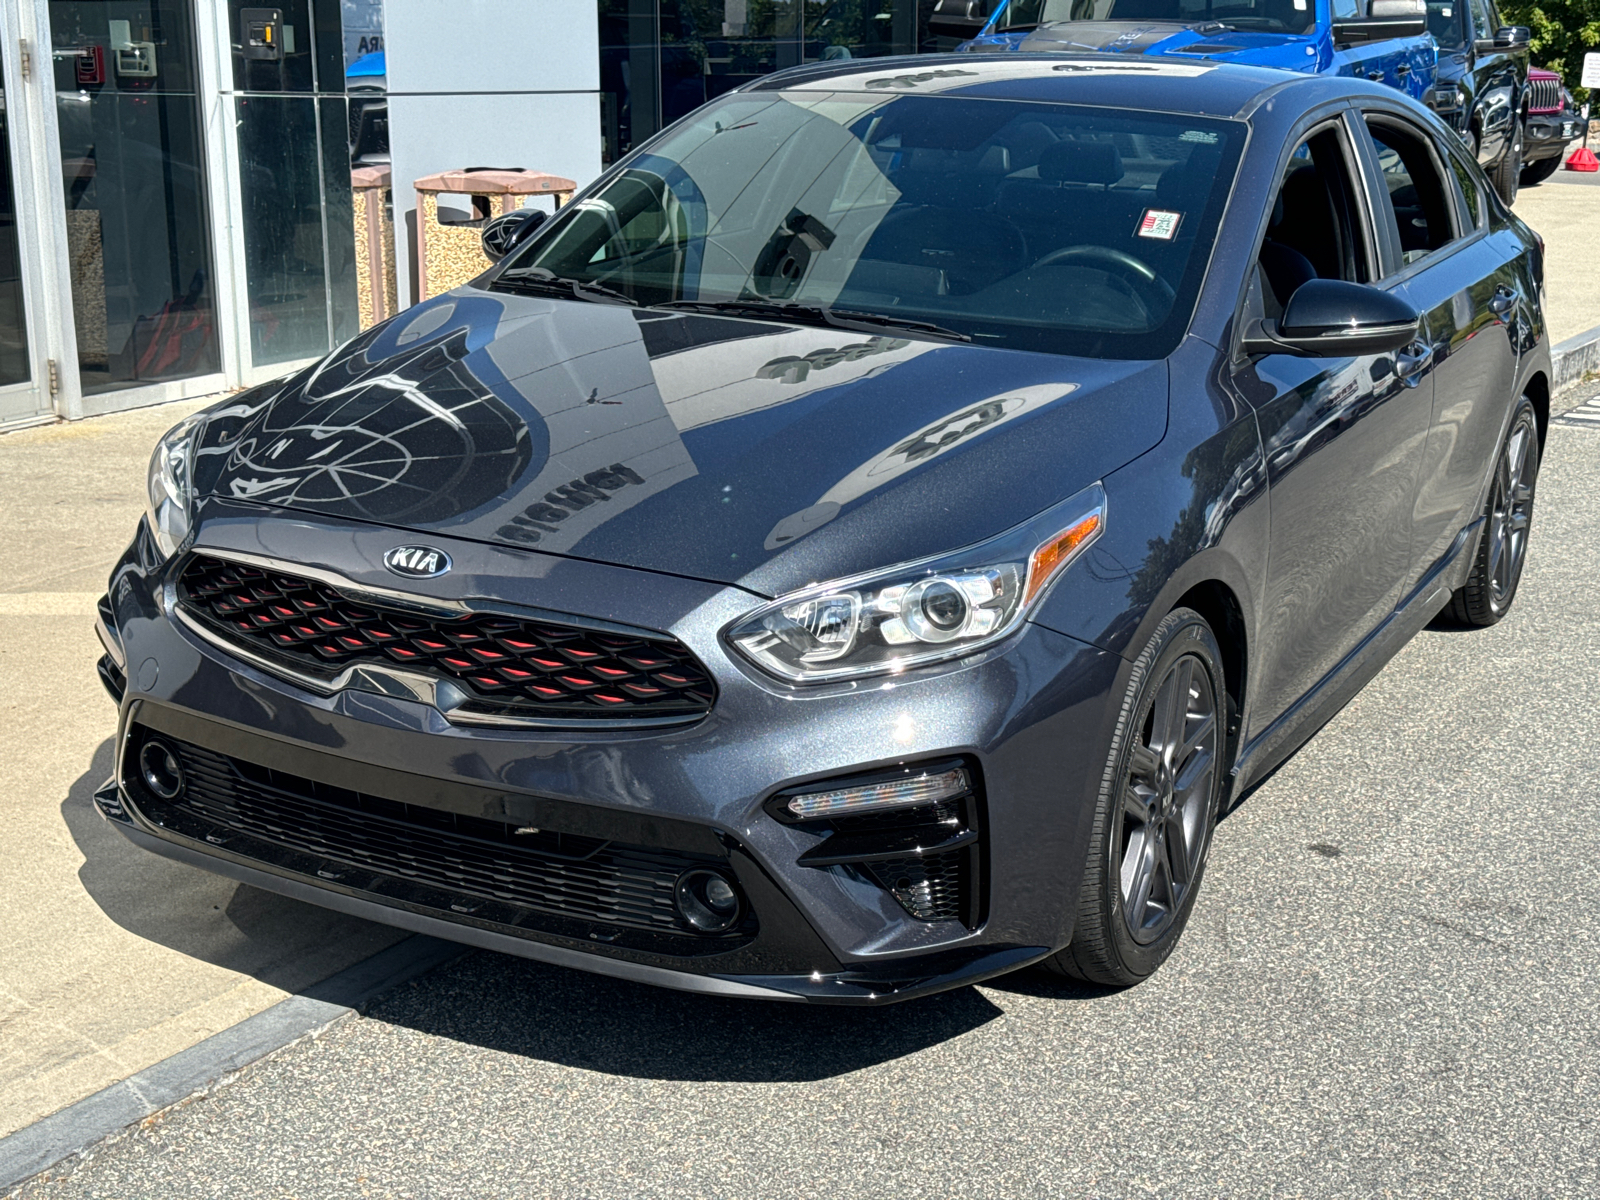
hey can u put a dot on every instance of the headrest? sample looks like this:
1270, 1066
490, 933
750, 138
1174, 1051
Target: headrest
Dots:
1081, 162
1187, 185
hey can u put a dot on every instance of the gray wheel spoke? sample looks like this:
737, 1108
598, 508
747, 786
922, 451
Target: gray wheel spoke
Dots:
1144, 875
1194, 772
1166, 708
1136, 804
1177, 844
1143, 762
1201, 731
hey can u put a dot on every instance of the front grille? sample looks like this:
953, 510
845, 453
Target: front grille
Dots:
507, 665
523, 873
1544, 95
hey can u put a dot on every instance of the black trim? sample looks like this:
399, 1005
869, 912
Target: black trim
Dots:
785, 941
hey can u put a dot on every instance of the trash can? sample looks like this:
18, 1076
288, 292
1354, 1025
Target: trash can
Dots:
376, 285
448, 251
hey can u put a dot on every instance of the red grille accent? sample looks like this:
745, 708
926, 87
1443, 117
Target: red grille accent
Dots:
532, 661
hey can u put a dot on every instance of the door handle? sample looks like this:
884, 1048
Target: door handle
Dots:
1411, 363
1403, 69
1500, 303
1375, 76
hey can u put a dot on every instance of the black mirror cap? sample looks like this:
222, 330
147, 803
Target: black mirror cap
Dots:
960, 19
1510, 36
1328, 318
505, 233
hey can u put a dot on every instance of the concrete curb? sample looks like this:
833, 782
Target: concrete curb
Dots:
74, 1129
1572, 359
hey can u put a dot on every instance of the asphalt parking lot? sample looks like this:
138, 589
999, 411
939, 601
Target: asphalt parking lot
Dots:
1389, 989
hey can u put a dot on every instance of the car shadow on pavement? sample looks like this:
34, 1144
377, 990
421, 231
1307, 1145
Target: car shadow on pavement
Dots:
282, 942
596, 1023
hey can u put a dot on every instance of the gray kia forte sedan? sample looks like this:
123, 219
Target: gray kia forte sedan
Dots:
862, 544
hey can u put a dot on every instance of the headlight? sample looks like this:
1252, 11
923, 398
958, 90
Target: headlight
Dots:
171, 484
921, 612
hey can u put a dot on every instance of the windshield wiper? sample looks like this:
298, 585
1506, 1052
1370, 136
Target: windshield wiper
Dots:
815, 314
546, 280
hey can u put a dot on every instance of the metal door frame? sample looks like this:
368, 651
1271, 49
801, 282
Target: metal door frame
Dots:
52, 387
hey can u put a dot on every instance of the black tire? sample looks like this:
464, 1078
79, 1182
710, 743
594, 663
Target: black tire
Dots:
1508, 171
1508, 522
1537, 172
1150, 825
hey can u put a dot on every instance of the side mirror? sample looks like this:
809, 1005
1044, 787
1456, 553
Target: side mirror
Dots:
961, 19
1385, 19
1508, 37
505, 233
1328, 318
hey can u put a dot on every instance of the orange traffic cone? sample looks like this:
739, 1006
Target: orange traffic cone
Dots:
1583, 159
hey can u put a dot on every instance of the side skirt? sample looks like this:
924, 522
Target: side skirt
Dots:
1269, 748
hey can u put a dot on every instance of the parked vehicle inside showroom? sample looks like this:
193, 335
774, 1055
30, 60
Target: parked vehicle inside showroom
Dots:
1555, 121
861, 545
1381, 40
1481, 86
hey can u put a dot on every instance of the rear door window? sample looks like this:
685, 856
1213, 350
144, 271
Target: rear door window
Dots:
1413, 184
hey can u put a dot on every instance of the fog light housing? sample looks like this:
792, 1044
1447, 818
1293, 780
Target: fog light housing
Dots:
160, 769
708, 901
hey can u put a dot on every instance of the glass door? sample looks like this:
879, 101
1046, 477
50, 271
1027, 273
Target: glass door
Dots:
134, 191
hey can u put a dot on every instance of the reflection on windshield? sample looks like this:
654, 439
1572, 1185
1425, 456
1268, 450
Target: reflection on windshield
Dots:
1444, 22
1043, 227
1275, 16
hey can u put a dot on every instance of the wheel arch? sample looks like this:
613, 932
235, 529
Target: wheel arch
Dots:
1214, 600
1537, 390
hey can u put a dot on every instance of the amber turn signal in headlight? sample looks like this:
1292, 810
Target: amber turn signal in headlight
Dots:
921, 612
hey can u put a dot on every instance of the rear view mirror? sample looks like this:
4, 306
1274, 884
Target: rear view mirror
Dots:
960, 19
1327, 318
1385, 19
505, 233
1509, 36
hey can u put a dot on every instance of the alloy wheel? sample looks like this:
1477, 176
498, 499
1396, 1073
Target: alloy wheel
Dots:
1512, 512
1165, 800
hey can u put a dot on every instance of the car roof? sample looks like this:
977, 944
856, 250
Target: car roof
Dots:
1110, 80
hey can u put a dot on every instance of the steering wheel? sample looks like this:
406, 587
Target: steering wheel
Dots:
1135, 271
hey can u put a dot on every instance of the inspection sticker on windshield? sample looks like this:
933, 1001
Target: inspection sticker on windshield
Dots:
1158, 223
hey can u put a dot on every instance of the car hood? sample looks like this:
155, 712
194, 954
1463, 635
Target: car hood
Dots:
766, 455
1170, 37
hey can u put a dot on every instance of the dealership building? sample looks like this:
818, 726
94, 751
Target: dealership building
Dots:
178, 216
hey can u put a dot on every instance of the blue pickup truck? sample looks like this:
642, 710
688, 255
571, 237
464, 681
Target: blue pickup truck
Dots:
1374, 39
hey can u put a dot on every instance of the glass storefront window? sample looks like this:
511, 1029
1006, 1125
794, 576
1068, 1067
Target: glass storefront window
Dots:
132, 161
295, 131
662, 59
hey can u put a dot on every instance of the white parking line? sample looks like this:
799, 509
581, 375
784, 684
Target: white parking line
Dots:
1585, 416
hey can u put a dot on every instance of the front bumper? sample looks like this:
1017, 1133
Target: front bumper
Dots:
1546, 136
1030, 718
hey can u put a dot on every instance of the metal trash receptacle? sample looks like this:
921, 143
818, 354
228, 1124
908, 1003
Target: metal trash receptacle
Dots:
377, 287
449, 253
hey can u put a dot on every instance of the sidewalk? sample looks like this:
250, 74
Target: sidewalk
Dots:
1566, 213
111, 959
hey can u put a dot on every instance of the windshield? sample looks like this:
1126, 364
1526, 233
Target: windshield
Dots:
1444, 22
1041, 227
1275, 16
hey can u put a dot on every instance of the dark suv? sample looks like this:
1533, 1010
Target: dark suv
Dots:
1481, 87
